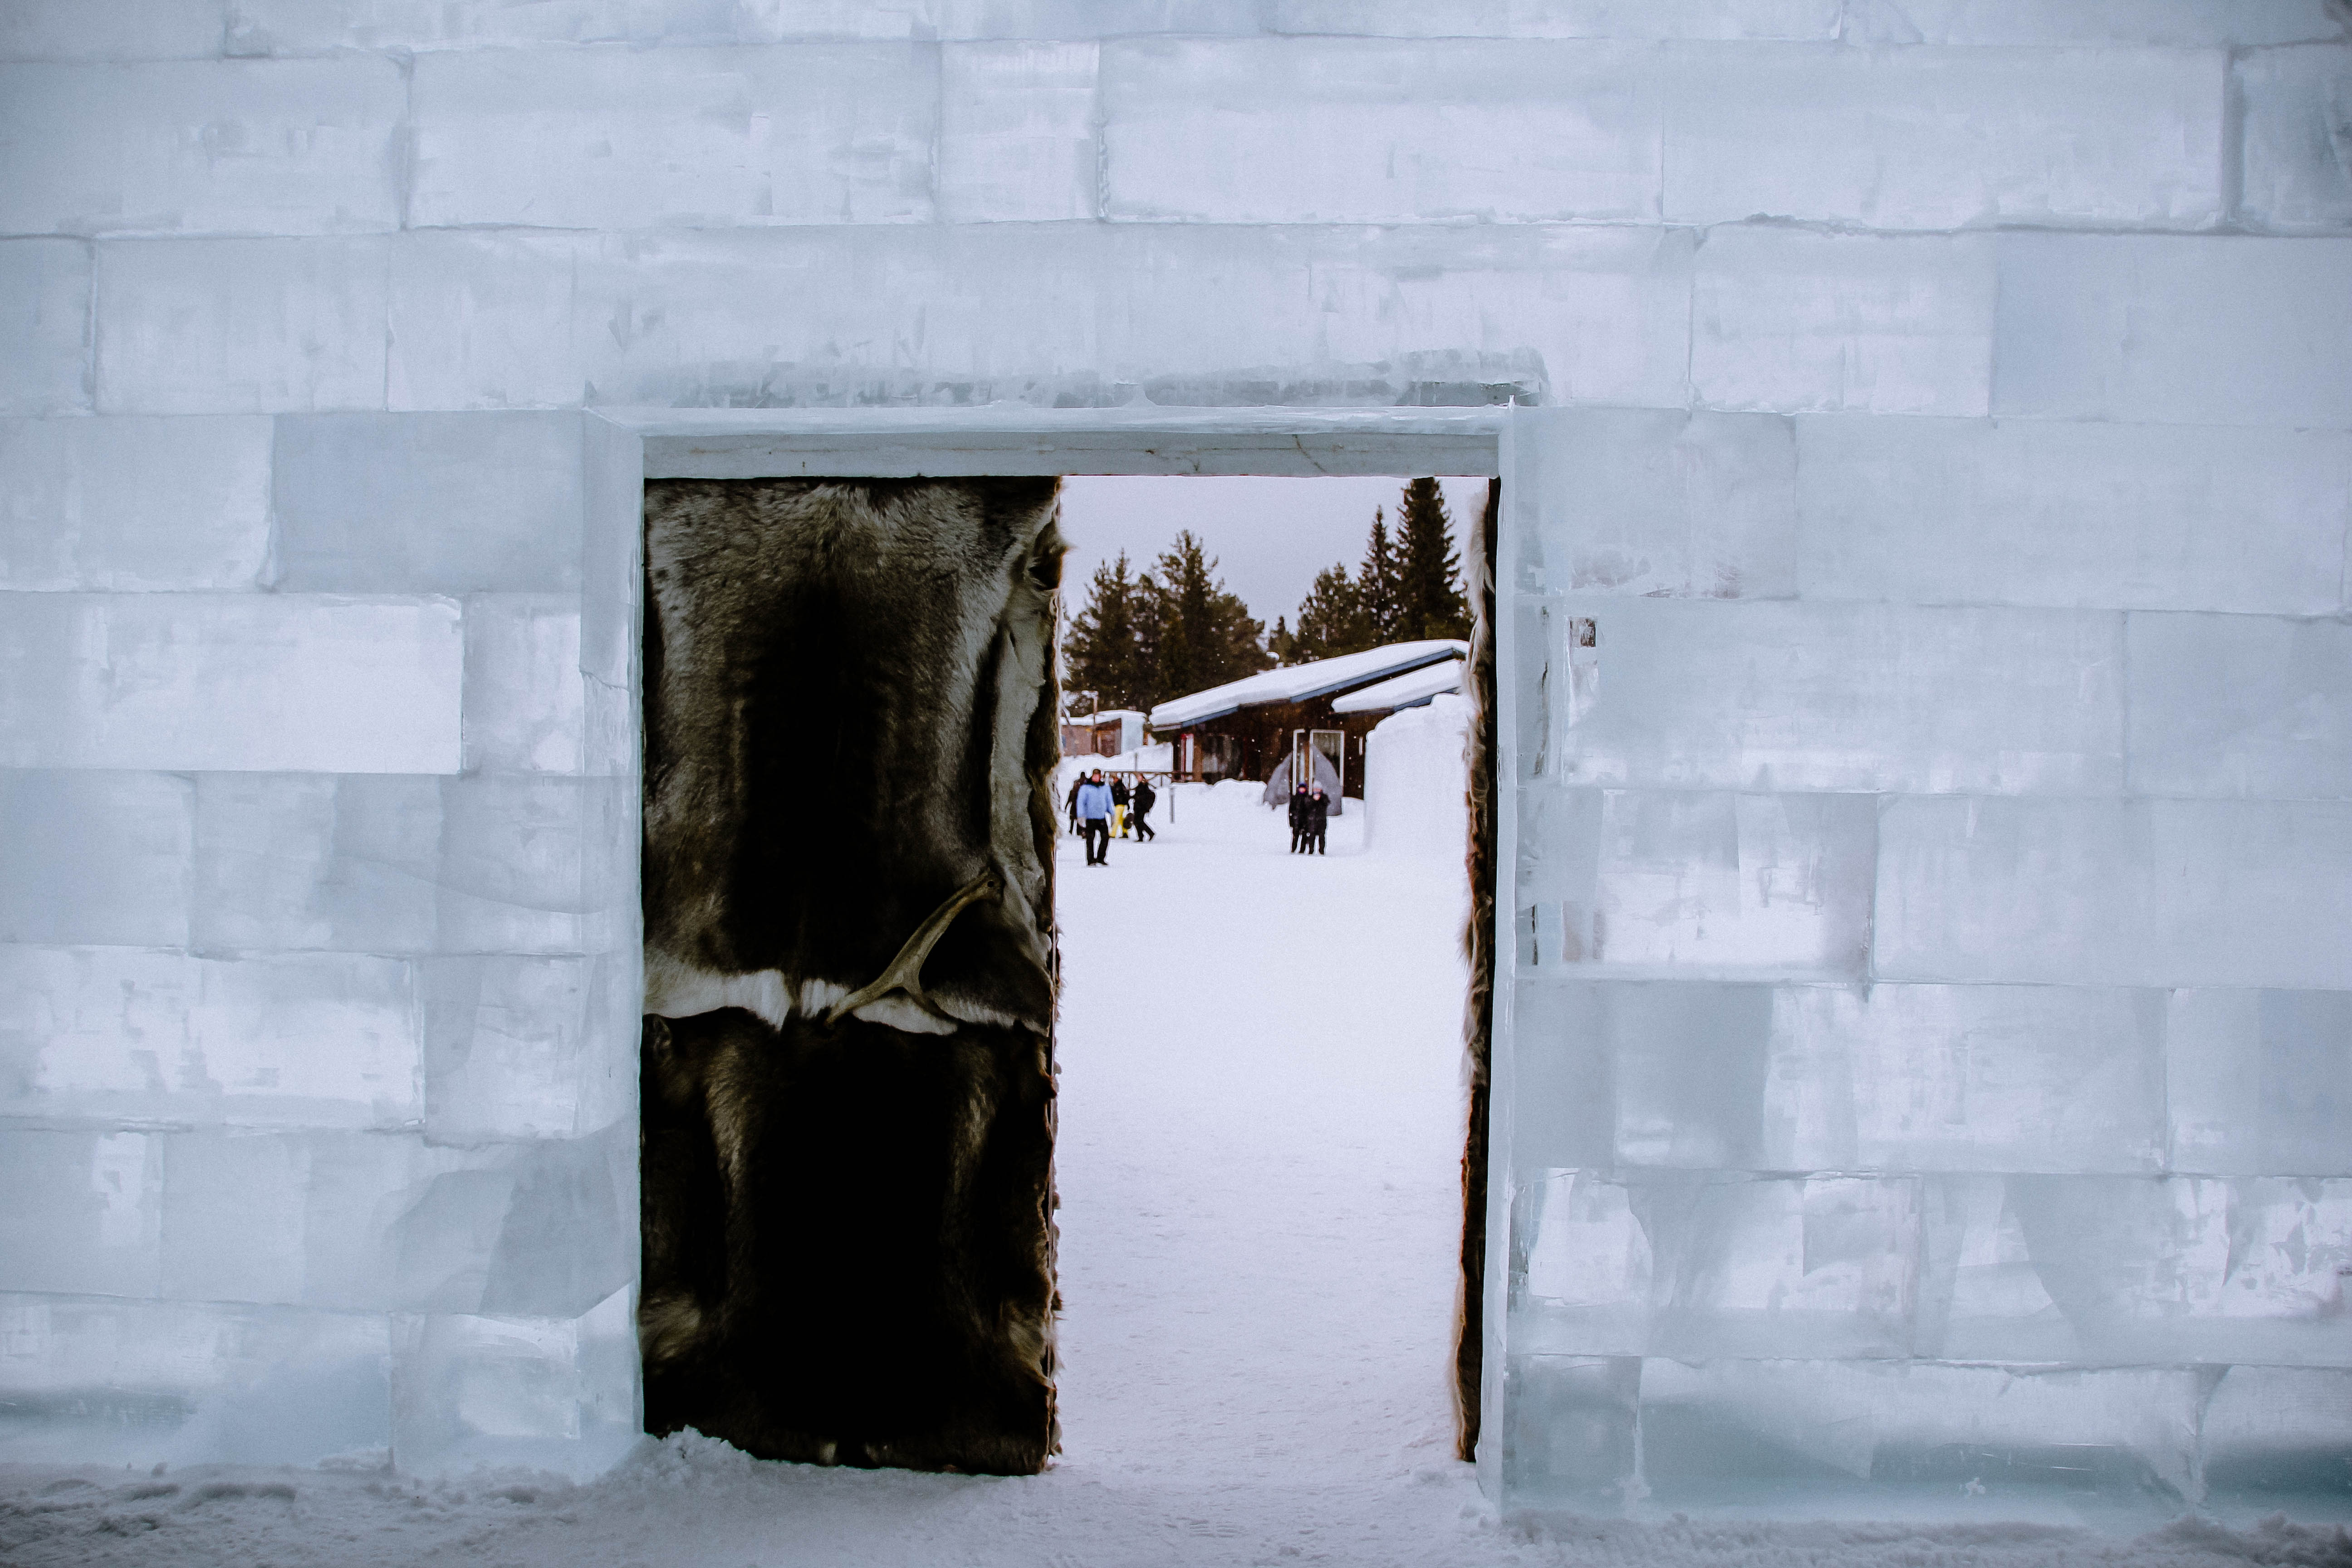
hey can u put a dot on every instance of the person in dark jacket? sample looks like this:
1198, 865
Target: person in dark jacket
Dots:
1299, 819
1075, 785
1145, 798
1118, 806
1319, 819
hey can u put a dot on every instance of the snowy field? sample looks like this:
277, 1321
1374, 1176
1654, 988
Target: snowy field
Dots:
1260, 1130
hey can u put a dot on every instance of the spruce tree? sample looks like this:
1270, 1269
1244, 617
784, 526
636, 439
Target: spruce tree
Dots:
1243, 638
1207, 636
1430, 601
1379, 587
1151, 614
1102, 651
1176, 663
1145, 638
1332, 621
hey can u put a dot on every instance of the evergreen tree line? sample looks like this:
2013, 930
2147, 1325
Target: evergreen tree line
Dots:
1407, 588
1174, 628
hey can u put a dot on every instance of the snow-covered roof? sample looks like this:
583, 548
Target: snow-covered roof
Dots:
1407, 690
1109, 715
1299, 682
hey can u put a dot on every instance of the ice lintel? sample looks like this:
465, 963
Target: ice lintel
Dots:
906, 442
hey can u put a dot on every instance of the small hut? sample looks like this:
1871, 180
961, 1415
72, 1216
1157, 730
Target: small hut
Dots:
1104, 734
1249, 728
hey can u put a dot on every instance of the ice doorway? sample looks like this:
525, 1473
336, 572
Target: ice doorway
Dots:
1147, 1247
1263, 1104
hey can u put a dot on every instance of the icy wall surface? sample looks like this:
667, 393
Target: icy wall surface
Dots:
1929, 880
318, 995
1929, 1061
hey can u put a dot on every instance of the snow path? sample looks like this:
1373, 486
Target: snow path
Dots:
1259, 1154
1259, 1137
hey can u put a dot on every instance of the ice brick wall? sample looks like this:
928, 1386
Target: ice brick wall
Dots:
318, 946
1975, 373
1929, 1054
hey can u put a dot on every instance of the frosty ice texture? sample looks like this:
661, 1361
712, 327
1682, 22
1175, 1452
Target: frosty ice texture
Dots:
244, 325
2067, 514
232, 681
1790, 322
2297, 101
134, 504
1069, 315
145, 1037
1705, 883
1929, 1051
370, 503
95, 856
327, 126
318, 1005
1016, 131
2167, 329
837, 134
44, 326
1944, 139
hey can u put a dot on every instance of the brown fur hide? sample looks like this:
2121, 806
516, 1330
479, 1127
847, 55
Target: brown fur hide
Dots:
1478, 946
847, 1136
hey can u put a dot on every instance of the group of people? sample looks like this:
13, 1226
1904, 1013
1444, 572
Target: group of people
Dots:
1310, 820
1102, 812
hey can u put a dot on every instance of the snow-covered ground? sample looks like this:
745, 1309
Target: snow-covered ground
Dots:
1260, 1130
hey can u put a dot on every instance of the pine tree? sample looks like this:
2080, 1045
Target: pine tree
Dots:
1103, 650
1280, 643
1175, 664
1332, 621
1151, 637
1430, 601
1207, 636
1379, 587
1144, 637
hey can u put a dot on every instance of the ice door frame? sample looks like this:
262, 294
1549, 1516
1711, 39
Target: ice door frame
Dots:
623, 447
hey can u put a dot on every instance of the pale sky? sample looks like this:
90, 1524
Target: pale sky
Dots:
1269, 536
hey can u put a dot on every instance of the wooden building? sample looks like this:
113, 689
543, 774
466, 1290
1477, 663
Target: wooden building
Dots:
1246, 729
1103, 734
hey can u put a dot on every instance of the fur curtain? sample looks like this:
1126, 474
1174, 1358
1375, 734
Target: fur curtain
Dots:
848, 1090
1479, 943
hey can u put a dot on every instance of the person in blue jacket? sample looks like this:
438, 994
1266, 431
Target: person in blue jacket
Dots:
1094, 819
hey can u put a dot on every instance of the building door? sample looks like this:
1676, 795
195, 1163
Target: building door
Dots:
1331, 746
847, 1059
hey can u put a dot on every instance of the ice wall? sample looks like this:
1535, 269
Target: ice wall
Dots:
1947, 415
317, 947
1929, 1039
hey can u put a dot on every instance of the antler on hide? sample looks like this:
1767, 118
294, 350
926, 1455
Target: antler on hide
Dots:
905, 972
